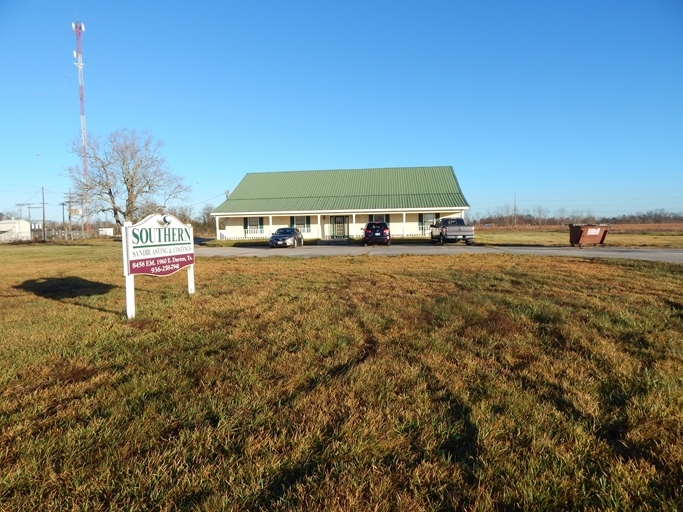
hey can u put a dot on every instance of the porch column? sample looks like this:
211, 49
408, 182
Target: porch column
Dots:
404, 224
354, 224
217, 228
270, 225
320, 229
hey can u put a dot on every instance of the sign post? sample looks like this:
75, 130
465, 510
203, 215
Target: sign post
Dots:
159, 245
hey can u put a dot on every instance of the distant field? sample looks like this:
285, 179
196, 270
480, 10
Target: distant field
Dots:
648, 228
618, 235
468, 382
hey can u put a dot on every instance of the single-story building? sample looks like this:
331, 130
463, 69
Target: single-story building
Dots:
338, 203
15, 230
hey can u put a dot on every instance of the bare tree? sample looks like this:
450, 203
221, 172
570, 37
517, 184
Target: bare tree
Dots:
541, 215
127, 176
561, 216
576, 216
506, 214
589, 218
205, 215
182, 213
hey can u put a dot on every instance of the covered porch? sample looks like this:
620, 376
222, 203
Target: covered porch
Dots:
328, 225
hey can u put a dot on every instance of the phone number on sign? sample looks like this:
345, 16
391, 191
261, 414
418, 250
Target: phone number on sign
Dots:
153, 267
164, 268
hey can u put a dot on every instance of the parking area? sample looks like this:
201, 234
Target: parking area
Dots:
311, 251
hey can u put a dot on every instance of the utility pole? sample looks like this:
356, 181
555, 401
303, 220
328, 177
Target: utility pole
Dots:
514, 222
83, 220
29, 217
29, 206
33, 207
71, 231
69, 202
63, 204
43, 191
21, 212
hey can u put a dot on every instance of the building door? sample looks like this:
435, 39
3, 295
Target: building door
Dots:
340, 226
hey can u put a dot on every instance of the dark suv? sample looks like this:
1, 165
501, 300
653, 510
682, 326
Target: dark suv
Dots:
376, 233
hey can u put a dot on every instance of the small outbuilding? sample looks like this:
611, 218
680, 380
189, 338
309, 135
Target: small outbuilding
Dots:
15, 230
337, 203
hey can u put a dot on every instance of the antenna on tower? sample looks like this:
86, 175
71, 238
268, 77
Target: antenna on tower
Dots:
78, 28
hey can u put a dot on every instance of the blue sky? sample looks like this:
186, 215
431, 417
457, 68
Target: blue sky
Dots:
563, 104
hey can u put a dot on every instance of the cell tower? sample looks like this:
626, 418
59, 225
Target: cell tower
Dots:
78, 28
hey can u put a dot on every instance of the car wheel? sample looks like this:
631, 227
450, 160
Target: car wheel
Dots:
468, 242
294, 244
441, 240
388, 243
365, 244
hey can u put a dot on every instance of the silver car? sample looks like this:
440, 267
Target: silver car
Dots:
286, 237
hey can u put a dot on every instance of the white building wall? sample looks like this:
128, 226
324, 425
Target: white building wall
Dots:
15, 230
233, 228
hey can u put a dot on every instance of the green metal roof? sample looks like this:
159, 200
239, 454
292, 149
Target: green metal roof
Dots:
392, 188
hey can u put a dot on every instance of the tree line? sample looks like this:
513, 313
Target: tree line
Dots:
127, 179
509, 217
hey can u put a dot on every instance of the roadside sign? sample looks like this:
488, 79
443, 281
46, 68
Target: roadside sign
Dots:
159, 245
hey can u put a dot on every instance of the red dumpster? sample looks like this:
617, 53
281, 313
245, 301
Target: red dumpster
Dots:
583, 234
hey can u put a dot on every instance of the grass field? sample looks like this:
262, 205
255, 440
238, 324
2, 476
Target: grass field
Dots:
624, 235
620, 235
489, 382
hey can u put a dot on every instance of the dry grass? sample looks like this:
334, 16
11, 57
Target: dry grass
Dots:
618, 235
405, 383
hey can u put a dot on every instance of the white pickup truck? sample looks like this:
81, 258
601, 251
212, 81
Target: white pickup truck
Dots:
451, 229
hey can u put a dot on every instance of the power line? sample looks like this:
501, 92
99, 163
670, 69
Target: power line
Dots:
58, 194
206, 200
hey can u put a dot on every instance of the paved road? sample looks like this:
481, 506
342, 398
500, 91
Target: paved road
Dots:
310, 251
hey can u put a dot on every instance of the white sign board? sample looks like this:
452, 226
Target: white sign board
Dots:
159, 245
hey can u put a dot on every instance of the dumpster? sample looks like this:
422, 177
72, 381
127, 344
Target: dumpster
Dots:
583, 234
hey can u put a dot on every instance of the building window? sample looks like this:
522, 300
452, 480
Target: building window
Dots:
377, 217
425, 220
253, 225
301, 222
